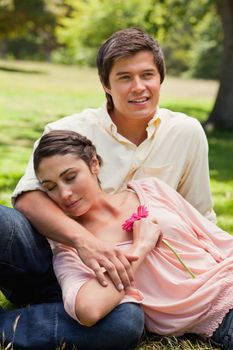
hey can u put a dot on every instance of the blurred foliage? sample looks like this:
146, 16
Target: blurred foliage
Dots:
191, 35
70, 31
27, 28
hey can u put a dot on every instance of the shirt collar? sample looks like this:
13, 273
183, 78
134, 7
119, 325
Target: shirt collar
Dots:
108, 124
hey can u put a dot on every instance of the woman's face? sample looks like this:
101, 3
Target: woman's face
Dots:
69, 182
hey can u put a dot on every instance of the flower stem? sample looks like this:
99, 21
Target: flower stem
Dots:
178, 257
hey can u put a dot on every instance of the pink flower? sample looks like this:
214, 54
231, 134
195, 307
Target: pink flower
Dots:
142, 212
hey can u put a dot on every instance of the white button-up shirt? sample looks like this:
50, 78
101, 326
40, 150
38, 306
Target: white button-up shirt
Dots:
175, 150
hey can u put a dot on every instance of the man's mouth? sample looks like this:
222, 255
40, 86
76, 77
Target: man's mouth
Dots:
139, 100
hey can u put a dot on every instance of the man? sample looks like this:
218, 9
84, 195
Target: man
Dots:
136, 139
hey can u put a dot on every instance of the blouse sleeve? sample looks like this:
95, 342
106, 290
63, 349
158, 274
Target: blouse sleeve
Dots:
72, 273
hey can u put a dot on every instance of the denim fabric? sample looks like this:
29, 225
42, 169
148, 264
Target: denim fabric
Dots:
26, 277
46, 326
223, 336
26, 273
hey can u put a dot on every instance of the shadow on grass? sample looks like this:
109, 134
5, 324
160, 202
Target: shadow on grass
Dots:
20, 70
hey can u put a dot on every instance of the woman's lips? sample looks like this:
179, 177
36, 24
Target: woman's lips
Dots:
72, 204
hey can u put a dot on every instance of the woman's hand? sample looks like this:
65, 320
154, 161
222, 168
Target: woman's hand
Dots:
145, 236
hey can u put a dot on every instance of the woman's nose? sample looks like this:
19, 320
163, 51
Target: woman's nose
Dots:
65, 192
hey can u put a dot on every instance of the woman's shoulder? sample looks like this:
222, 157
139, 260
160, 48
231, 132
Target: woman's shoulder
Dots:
151, 182
152, 187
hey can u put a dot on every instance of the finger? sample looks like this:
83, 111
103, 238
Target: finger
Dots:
128, 268
131, 258
123, 270
112, 267
99, 272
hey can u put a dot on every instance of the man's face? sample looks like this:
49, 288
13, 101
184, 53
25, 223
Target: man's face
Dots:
134, 84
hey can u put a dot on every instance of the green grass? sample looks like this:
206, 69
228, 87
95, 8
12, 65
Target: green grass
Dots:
33, 94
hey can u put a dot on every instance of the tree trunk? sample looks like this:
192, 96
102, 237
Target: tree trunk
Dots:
221, 116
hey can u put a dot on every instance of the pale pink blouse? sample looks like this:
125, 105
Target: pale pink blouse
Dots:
174, 303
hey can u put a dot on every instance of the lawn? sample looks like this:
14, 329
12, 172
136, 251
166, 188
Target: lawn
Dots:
33, 94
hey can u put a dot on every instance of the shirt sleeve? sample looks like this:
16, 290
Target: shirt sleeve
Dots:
194, 185
28, 181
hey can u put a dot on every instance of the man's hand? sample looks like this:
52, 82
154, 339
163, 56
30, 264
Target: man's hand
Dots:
101, 256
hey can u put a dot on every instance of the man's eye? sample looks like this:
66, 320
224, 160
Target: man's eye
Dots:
125, 77
148, 75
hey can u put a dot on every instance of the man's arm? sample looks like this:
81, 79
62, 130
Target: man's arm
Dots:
195, 183
51, 221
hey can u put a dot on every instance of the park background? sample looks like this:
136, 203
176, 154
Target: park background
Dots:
47, 71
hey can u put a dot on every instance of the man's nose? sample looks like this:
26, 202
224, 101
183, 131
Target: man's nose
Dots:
138, 84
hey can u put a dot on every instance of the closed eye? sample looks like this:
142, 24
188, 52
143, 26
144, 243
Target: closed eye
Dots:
48, 188
70, 178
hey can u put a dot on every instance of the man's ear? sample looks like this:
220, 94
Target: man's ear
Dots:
107, 89
95, 165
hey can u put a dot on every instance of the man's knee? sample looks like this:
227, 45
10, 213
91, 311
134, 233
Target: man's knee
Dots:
19, 241
131, 323
121, 329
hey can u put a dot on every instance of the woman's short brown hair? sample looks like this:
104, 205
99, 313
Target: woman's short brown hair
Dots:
63, 142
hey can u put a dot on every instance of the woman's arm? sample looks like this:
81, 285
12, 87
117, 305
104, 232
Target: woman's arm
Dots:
51, 221
93, 302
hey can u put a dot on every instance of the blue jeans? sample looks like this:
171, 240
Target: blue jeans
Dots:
27, 277
223, 336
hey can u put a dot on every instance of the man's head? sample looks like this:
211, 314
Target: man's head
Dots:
124, 44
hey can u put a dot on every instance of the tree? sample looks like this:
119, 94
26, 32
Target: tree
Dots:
222, 114
29, 25
92, 21
193, 48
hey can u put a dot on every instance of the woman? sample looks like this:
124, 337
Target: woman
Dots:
183, 275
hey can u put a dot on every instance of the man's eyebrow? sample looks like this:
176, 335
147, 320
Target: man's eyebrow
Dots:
144, 70
122, 72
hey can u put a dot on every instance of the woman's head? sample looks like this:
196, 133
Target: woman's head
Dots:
61, 142
67, 167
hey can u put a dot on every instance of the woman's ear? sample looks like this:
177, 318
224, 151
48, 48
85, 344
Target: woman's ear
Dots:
95, 165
